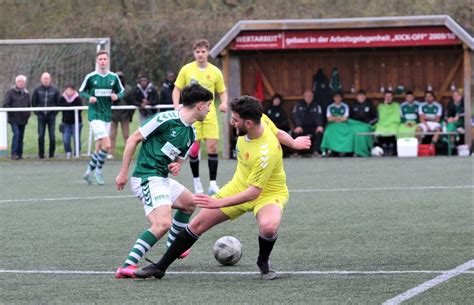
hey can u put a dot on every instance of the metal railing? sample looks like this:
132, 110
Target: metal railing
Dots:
76, 110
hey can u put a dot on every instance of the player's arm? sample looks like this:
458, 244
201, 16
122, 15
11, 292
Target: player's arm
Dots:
224, 97
128, 153
175, 167
83, 91
303, 142
175, 96
208, 202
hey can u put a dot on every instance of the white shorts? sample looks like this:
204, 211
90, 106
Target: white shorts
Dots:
100, 129
156, 191
431, 125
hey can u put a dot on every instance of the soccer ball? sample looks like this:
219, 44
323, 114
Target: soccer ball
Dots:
227, 250
377, 151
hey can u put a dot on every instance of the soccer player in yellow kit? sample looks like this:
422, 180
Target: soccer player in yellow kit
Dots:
258, 186
210, 77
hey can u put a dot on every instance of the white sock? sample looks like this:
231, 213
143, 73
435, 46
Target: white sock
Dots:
213, 184
197, 180
98, 170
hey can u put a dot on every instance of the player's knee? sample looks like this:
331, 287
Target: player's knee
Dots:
161, 227
189, 209
194, 151
268, 228
212, 148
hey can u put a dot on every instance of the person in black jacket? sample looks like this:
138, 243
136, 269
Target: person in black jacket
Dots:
363, 110
70, 98
308, 120
145, 94
46, 95
455, 116
277, 113
19, 97
166, 92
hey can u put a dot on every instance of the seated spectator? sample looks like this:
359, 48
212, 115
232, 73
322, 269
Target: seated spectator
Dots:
387, 126
277, 113
455, 116
308, 120
363, 110
145, 95
70, 98
408, 116
337, 111
124, 117
18, 97
430, 113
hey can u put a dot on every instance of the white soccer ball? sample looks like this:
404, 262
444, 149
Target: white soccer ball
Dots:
227, 250
377, 151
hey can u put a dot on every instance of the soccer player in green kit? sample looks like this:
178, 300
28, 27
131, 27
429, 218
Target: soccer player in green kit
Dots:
166, 140
100, 88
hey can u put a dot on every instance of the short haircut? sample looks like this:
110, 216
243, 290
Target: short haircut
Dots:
338, 92
248, 108
193, 94
409, 92
70, 86
388, 92
101, 53
361, 92
20, 77
201, 43
277, 95
429, 92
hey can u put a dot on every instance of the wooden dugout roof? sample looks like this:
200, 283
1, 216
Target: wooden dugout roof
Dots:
342, 23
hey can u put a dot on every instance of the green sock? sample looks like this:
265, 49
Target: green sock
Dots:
142, 245
180, 221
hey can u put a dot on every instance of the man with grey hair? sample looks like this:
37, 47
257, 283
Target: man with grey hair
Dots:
18, 96
46, 95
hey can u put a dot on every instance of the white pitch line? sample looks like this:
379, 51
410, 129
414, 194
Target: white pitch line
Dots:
329, 272
373, 189
430, 284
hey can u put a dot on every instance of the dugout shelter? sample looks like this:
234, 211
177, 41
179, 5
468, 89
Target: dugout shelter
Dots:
415, 52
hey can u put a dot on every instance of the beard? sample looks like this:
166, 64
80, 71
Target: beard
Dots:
241, 131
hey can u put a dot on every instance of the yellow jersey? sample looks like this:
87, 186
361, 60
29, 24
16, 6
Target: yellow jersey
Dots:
260, 162
210, 77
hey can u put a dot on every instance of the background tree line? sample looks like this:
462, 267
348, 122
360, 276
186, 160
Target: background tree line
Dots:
153, 36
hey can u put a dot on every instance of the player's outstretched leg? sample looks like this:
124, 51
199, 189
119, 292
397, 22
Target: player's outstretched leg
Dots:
268, 218
160, 224
180, 222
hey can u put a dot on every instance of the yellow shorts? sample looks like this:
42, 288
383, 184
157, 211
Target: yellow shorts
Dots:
209, 128
233, 212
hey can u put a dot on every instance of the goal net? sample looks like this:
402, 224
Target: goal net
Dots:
67, 60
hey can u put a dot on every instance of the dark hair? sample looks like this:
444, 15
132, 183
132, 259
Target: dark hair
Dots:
429, 92
388, 92
338, 92
409, 92
277, 95
101, 53
70, 86
201, 43
194, 94
248, 108
361, 91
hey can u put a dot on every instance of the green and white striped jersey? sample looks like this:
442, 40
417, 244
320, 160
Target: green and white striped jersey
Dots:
101, 87
167, 137
409, 111
430, 111
340, 110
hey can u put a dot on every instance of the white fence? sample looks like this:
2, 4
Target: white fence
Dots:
3, 121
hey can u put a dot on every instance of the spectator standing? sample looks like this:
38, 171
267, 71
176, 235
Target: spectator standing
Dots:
70, 98
308, 120
124, 117
363, 110
145, 95
18, 96
166, 92
46, 95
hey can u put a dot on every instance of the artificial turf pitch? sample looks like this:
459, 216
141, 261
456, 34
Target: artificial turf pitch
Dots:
349, 224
